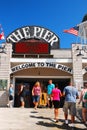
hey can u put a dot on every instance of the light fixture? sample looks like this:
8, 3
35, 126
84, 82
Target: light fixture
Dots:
80, 53
77, 48
82, 33
2, 49
81, 50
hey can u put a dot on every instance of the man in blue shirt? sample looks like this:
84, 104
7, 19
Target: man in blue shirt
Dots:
71, 94
49, 92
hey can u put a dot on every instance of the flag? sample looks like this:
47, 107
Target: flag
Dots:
2, 36
1, 33
73, 30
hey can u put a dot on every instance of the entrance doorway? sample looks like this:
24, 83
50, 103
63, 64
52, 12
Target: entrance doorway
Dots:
30, 82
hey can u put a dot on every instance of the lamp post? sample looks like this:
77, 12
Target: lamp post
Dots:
82, 49
2, 49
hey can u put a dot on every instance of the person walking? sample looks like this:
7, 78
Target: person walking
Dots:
11, 96
71, 94
21, 95
27, 95
56, 94
83, 99
49, 92
36, 92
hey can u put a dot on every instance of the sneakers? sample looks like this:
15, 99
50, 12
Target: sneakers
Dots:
22, 107
66, 122
72, 125
55, 120
86, 123
35, 107
8, 105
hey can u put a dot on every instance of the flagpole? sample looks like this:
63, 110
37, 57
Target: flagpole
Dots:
3, 32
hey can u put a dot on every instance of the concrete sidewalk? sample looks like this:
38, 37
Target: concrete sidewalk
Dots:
29, 118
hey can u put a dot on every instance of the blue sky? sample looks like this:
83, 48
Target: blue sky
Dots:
55, 15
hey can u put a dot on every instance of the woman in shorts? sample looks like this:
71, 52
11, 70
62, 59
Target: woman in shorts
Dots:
36, 92
56, 94
84, 103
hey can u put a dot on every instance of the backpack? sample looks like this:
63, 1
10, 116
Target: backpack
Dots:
42, 96
85, 96
85, 99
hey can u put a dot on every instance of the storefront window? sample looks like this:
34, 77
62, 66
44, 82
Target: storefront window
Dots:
3, 84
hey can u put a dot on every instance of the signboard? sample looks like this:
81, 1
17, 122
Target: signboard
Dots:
34, 32
41, 64
31, 48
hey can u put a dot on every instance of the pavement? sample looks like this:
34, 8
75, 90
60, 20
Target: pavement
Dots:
31, 119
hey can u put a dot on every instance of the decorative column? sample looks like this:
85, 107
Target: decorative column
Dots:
5, 56
77, 66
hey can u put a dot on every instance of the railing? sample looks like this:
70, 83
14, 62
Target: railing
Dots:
32, 56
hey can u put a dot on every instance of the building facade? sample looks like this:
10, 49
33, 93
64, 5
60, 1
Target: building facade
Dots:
33, 53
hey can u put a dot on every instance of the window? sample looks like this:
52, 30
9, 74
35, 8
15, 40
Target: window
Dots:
3, 84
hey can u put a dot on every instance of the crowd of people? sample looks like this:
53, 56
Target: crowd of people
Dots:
21, 95
54, 94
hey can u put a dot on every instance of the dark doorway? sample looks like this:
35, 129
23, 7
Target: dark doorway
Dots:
31, 81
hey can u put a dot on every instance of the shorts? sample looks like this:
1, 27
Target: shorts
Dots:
84, 104
36, 98
10, 97
22, 99
71, 106
49, 97
56, 104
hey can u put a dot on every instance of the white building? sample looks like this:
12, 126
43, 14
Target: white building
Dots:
33, 53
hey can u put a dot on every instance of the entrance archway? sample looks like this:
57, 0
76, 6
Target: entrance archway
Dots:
62, 82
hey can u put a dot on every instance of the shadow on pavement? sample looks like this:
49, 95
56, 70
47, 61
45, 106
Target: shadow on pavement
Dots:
34, 112
79, 114
63, 126
53, 124
40, 117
